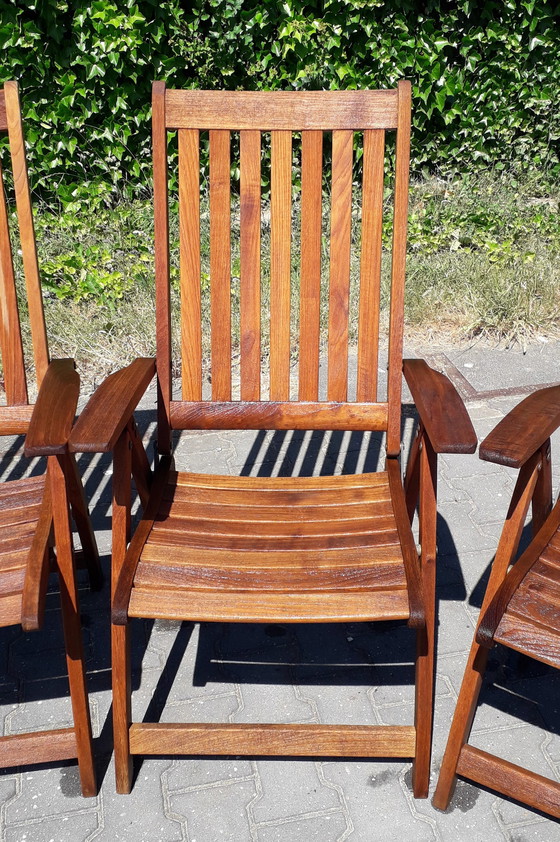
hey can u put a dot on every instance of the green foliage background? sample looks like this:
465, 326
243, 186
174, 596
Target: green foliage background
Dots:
486, 75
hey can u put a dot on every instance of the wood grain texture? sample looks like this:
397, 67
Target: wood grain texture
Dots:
109, 409
3, 118
408, 547
398, 264
26, 231
310, 263
220, 264
280, 267
14, 420
282, 740
339, 276
278, 415
274, 110
37, 568
37, 747
54, 412
370, 264
13, 363
524, 429
189, 240
161, 238
250, 269
511, 780
440, 408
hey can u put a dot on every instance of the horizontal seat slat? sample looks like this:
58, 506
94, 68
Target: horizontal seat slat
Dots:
275, 544
535, 640
289, 110
258, 528
263, 607
241, 578
173, 553
278, 415
277, 514
270, 499
266, 484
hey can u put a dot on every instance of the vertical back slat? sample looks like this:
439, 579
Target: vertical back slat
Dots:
370, 264
339, 281
281, 226
10, 332
161, 235
250, 269
398, 270
310, 249
189, 244
220, 264
27, 231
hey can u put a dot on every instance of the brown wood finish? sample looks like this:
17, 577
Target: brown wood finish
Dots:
520, 610
37, 747
524, 430
286, 110
513, 781
400, 218
54, 412
370, 266
283, 740
440, 408
107, 413
250, 279
310, 272
189, 238
268, 549
11, 345
161, 237
278, 415
26, 231
280, 268
3, 118
14, 420
339, 278
35, 511
220, 264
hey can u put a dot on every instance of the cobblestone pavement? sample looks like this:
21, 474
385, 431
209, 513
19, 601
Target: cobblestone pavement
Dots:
339, 673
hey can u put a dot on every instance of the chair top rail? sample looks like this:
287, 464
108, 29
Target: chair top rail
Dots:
290, 110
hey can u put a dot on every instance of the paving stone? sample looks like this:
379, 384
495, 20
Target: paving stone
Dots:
215, 812
287, 790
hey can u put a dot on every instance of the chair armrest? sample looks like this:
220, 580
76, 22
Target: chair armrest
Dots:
110, 408
441, 410
524, 430
54, 410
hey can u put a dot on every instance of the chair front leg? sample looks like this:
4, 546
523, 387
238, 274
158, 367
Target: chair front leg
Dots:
71, 623
427, 480
120, 645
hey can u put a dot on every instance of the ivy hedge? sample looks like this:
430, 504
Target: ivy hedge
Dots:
485, 74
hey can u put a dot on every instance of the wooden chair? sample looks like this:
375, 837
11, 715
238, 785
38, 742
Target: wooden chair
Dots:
297, 549
521, 605
35, 511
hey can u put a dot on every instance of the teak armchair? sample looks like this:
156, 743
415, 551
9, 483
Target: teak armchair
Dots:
521, 605
35, 511
297, 549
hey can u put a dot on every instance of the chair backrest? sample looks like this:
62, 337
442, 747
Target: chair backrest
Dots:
14, 416
326, 126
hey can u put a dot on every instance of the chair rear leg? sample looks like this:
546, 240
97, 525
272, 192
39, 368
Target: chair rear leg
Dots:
120, 645
461, 725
